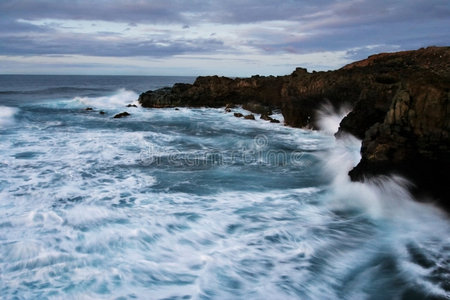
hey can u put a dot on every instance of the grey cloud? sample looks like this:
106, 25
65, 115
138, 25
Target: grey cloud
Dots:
89, 45
123, 11
330, 24
346, 25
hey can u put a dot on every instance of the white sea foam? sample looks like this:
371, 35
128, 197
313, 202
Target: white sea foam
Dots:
120, 99
329, 117
7, 116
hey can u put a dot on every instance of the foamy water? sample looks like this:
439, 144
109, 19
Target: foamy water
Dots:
197, 204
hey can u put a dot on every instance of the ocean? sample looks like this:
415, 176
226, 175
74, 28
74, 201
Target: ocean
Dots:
196, 204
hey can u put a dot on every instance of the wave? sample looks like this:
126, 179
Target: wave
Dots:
7, 116
119, 99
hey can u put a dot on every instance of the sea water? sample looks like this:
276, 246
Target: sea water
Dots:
196, 204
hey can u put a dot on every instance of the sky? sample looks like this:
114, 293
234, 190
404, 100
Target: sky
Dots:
231, 38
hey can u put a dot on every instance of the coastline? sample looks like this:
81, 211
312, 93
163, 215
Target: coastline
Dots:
400, 110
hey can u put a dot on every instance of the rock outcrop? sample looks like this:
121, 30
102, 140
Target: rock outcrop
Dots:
121, 115
413, 140
400, 109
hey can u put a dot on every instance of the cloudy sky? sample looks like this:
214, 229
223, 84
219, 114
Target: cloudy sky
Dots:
225, 37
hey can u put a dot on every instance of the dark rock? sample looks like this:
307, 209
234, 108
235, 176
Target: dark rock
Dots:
101, 112
265, 117
88, 109
249, 117
176, 108
413, 140
238, 115
121, 115
257, 108
131, 105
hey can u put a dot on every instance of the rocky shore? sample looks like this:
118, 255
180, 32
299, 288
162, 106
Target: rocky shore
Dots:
400, 101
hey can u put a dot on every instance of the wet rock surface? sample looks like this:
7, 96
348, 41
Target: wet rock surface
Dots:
121, 115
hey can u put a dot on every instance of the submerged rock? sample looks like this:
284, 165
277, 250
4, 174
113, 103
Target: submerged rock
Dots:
249, 117
121, 115
238, 115
88, 109
131, 105
101, 112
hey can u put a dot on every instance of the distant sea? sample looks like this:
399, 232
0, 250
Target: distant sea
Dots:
196, 204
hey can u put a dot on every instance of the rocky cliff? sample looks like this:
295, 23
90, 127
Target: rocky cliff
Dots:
400, 109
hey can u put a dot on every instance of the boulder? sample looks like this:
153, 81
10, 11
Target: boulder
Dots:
121, 115
257, 108
265, 117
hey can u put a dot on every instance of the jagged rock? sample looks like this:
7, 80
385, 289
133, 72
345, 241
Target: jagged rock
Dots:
265, 117
121, 115
249, 117
413, 140
238, 115
257, 108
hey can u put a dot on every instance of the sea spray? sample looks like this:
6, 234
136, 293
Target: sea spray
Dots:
7, 116
329, 117
119, 99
